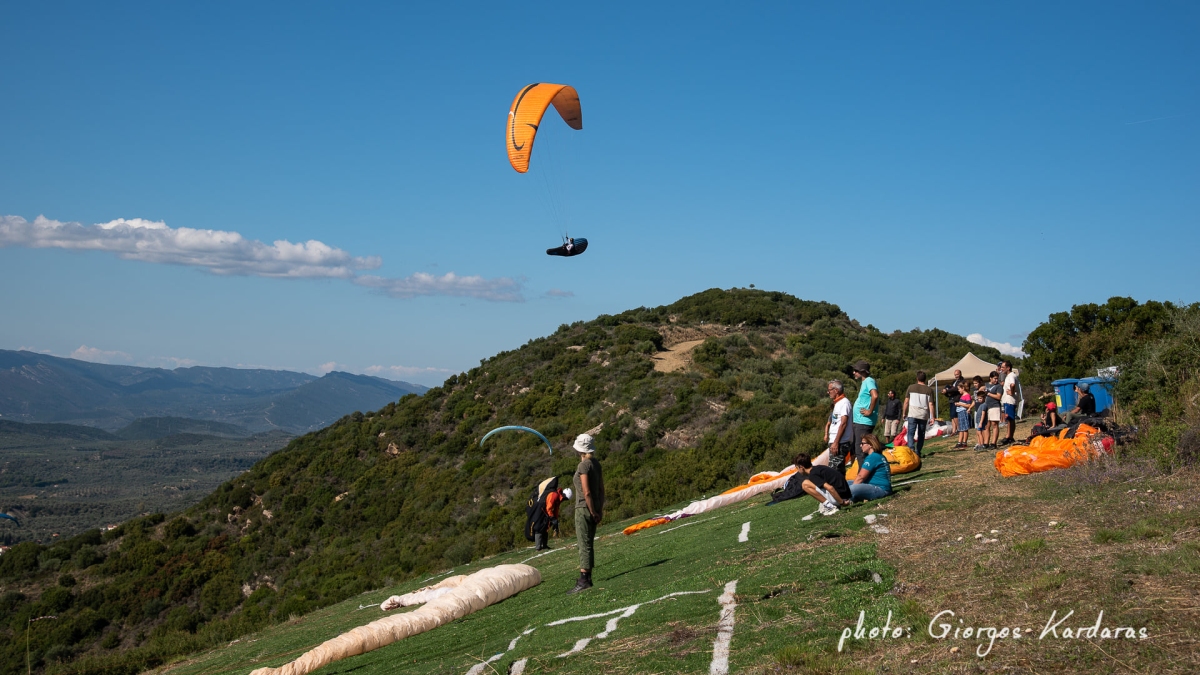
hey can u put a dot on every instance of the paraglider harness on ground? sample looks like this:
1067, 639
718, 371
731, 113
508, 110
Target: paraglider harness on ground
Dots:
541, 511
791, 490
1120, 434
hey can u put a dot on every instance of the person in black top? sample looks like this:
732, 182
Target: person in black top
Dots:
827, 486
1086, 403
891, 415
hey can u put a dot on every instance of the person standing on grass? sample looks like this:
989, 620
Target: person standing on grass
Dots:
979, 418
866, 406
962, 412
951, 394
874, 480
1008, 399
991, 407
837, 429
891, 416
918, 403
589, 507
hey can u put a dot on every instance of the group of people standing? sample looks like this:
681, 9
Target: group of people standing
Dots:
983, 405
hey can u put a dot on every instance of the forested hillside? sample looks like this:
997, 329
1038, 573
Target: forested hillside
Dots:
399, 492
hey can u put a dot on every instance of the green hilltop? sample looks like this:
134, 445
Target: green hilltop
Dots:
384, 497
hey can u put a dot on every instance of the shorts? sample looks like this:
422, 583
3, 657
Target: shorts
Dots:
980, 419
1010, 411
993, 414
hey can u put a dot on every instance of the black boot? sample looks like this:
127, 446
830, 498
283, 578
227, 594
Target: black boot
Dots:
539, 542
584, 583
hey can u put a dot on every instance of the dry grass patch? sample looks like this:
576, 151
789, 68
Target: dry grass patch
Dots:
1121, 541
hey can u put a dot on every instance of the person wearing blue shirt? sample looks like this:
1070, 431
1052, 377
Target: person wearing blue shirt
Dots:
866, 407
874, 479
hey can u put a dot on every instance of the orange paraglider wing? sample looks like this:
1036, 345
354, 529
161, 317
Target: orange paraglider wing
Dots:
526, 114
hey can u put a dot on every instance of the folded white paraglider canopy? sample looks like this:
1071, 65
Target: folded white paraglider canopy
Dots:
449, 600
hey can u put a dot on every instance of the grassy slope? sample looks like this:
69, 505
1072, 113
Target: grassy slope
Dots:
798, 586
783, 553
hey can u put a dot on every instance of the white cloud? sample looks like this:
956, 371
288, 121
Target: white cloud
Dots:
217, 251
556, 293
500, 289
402, 372
169, 362
326, 368
35, 350
228, 253
86, 353
1002, 347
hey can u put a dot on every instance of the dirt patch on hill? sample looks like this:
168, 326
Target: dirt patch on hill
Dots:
679, 341
675, 357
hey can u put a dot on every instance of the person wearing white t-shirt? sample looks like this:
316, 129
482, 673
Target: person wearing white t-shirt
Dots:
918, 406
1008, 401
837, 436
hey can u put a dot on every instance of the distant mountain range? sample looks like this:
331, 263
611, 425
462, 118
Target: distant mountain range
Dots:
48, 389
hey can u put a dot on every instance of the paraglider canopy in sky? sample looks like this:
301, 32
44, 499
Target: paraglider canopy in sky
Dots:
525, 116
516, 428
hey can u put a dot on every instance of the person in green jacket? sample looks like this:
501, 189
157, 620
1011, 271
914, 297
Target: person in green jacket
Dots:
589, 507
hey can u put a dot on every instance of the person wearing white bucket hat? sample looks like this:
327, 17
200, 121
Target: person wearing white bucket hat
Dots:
589, 507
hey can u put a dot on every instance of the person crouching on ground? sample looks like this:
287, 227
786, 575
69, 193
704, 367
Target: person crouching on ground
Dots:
874, 479
589, 507
827, 486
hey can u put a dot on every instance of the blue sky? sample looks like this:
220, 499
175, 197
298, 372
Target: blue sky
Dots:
951, 165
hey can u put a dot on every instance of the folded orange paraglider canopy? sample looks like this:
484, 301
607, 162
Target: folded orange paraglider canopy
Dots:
525, 116
1049, 452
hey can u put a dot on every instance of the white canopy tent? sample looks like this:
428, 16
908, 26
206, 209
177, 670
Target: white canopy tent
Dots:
970, 366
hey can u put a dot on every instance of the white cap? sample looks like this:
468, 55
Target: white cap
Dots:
583, 444
567, 493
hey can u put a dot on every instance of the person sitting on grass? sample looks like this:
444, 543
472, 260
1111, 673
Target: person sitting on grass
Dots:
1085, 404
827, 486
1051, 418
874, 479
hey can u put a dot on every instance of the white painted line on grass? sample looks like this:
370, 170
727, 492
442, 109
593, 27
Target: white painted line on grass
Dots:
479, 668
438, 575
518, 667
809, 516
611, 624
689, 522
720, 660
745, 535
546, 553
